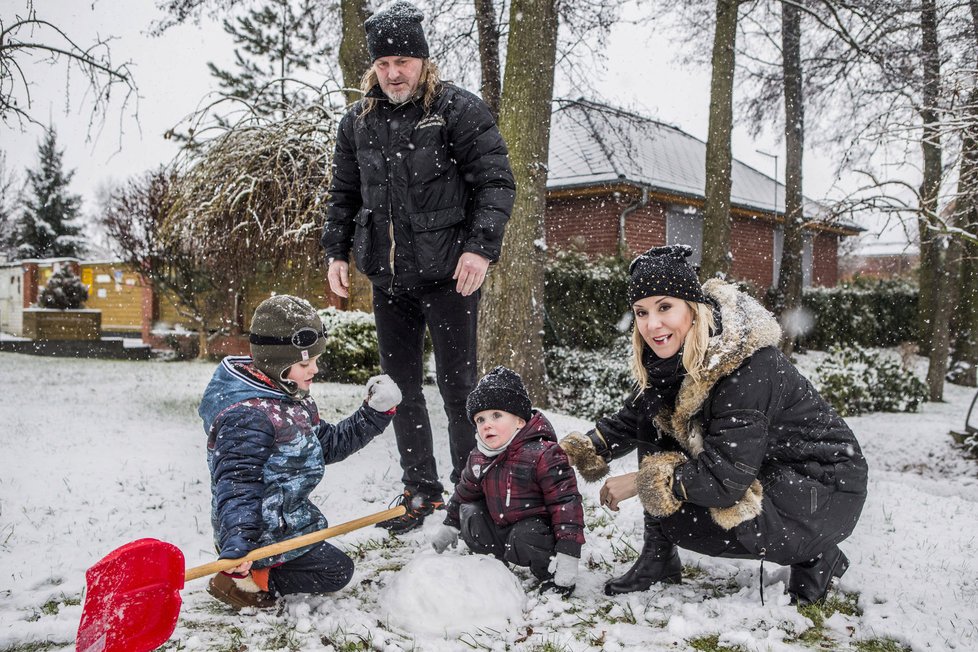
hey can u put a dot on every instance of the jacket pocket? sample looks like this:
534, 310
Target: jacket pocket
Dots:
365, 242
438, 240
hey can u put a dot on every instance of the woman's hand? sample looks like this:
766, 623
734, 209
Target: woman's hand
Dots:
617, 489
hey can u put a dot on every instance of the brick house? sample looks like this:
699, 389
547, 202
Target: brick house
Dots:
621, 183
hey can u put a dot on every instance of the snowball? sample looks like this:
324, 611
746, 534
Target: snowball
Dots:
448, 595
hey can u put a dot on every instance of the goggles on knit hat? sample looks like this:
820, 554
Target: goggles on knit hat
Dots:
663, 271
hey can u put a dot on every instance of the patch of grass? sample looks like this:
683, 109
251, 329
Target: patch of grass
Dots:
343, 642
34, 646
284, 638
359, 551
816, 636
623, 551
693, 572
711, 643
549, 646
881, 645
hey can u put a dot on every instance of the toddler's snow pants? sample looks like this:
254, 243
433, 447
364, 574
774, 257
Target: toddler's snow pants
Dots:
528, 543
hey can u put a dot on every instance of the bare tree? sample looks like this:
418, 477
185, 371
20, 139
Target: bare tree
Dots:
26, 38
716, 209
134, 215
790, 279
513, 293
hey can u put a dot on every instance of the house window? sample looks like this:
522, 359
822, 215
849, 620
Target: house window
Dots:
806, 256
684, 225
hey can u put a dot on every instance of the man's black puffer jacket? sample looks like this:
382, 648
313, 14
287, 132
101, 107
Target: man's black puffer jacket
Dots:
411, 191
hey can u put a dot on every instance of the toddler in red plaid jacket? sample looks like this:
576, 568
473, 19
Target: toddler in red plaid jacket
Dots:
517, 498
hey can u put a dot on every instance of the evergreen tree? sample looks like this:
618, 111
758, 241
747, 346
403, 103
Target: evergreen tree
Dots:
64, 291
47, 227
276, 42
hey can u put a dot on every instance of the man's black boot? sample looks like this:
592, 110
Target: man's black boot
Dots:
809, 581
658, 562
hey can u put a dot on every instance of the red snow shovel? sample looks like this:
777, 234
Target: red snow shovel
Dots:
132, 599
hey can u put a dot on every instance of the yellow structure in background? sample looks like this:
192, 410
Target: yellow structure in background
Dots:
116, 290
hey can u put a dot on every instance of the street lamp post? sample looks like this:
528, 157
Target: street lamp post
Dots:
774, 209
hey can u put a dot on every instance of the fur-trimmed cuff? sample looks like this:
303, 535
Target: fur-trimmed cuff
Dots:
654, 483
583, 456
748, 507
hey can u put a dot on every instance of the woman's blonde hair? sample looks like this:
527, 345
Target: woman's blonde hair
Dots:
694, 345
430, 83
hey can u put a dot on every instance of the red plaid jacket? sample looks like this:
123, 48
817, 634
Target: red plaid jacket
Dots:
532, 477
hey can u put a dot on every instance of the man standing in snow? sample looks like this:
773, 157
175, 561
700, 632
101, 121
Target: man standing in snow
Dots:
421, 193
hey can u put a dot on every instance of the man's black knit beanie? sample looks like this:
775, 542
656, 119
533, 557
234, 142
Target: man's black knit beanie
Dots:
396, 32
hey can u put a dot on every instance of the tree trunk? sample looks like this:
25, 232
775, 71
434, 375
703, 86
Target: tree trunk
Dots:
966, 310
354, 58
716, 211
485, 16
512, 307
354, 61
934, 311
790, 278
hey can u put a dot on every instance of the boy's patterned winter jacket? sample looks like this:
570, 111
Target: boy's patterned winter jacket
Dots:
266, 452
531, 477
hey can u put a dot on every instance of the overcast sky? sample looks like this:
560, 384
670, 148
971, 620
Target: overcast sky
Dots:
642, 75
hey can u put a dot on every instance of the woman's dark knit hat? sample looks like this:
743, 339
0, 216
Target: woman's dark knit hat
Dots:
663, 271
500, 389
396, 32
285, 330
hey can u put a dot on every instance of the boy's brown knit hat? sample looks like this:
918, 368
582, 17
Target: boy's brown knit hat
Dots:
285, 330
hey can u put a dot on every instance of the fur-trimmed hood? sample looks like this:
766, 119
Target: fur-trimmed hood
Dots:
747, 328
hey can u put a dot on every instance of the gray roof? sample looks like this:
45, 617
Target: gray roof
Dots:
592, 143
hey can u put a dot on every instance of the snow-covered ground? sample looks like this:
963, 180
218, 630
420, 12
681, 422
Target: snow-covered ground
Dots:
99, 453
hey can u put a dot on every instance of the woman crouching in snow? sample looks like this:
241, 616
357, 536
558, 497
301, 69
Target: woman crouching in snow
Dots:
739, 456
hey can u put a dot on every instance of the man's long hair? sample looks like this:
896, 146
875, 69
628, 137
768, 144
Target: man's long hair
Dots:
429, 85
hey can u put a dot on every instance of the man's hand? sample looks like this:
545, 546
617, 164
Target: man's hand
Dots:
470, 273
617, 489
339, 278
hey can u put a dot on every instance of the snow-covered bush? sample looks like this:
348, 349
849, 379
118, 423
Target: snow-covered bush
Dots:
589, 384
64, 291
855, 380
351, 347
867, 313
585, 300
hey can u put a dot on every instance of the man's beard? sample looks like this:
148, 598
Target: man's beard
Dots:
399, 97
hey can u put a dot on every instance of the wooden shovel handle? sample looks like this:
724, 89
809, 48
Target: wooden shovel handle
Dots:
292, 544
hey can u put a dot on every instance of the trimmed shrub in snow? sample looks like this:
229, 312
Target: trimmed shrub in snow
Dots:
351, 347
867, 313
64, 291
589, 384
855, 380
585, 301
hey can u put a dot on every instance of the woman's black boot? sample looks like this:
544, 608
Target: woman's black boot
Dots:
809, 581
658, 562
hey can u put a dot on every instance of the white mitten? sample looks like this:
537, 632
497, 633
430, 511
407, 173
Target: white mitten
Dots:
564, 568
443, 537
382, 394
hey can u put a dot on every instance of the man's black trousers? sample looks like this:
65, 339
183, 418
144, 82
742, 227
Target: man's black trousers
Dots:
452, 319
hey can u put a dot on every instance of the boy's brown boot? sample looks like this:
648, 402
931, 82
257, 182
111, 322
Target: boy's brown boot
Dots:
238, 593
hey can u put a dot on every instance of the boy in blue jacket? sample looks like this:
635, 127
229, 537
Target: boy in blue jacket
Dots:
267, 449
